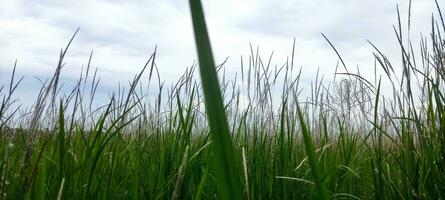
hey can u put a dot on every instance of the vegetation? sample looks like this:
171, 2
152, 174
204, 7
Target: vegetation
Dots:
234, 138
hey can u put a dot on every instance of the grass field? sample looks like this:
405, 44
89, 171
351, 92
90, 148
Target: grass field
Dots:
233, 138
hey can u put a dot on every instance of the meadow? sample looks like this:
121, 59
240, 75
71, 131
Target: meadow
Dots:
251, 136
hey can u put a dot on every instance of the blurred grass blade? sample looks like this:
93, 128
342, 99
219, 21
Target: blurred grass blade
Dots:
61, 137
322, 192
228, 183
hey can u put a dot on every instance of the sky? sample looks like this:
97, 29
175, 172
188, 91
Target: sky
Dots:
123, 35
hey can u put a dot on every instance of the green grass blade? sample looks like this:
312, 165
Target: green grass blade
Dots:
202, 182
322, 192
61, 137
228, 184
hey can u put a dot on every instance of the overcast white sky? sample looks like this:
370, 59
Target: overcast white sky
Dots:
123, 34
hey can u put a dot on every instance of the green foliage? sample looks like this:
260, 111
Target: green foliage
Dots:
224, 157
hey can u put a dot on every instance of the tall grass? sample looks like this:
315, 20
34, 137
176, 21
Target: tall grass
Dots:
224, 157
229, 137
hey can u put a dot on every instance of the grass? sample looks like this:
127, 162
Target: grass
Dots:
224, 157
229, 137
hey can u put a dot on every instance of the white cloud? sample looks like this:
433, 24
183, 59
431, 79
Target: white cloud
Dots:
124, 33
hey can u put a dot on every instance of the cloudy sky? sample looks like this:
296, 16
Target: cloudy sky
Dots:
123, 34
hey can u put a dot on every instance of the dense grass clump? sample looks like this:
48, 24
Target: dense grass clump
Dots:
234, 138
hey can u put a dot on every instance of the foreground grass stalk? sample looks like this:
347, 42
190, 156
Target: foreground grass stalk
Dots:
322, 192
228, 184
